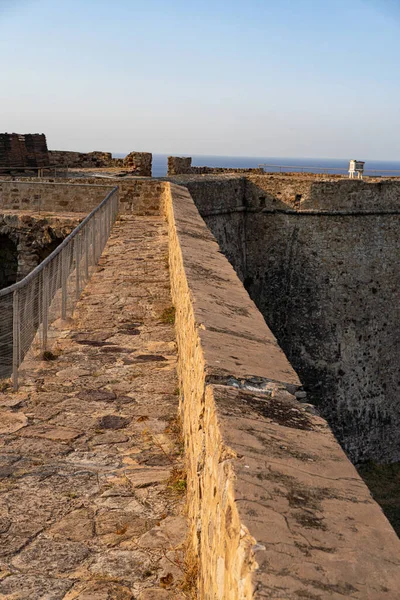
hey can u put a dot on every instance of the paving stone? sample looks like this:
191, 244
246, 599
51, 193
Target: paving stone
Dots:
169, 533
85, 477
4, 524
62, 434
70, 374
12, 401
77, 526
11, 421
51, 557
17, 535
25, 587
147, 476
105, 591
109, 437
120, 522
171, 568
37, 447
97, 395
123, 564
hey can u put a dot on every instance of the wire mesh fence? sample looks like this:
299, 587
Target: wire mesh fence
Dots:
51, 290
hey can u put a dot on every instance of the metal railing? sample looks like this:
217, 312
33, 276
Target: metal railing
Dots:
301, 168
51, 290
325, 170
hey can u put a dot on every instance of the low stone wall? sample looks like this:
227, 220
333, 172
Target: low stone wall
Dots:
51, 197
222, 199
137, 196
276, 509
178, 165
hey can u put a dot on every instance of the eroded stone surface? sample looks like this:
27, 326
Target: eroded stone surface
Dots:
86, 448
10, 422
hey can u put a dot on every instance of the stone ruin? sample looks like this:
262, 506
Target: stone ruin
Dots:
137, 163
20, 152
23, 151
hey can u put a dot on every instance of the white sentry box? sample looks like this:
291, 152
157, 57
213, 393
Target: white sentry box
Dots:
356, 166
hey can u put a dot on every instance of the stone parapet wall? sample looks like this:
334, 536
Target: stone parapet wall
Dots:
136, 196
322, 193
222, 199
276, 509
178, 165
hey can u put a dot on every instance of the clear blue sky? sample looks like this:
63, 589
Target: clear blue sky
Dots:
306, 78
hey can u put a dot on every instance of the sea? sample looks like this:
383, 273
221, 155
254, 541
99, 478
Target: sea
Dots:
378, 168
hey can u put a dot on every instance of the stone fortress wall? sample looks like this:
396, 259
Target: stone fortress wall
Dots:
276, 509
320, 259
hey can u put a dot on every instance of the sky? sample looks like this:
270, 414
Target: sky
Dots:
287, 78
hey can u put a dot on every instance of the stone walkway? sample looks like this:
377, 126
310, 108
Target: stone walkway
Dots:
91, 492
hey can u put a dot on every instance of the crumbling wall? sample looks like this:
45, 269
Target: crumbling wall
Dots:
23, 150
183, 166
83, 160
275, 508
137, 163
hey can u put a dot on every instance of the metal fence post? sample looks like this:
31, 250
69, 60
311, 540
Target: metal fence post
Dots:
64, 281
94, 240
16, 340
77, 266
109, 213
86, 234
102, 229
33, 302
45, 308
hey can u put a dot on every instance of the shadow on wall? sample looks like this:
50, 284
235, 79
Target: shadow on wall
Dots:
8, 261
321, 264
